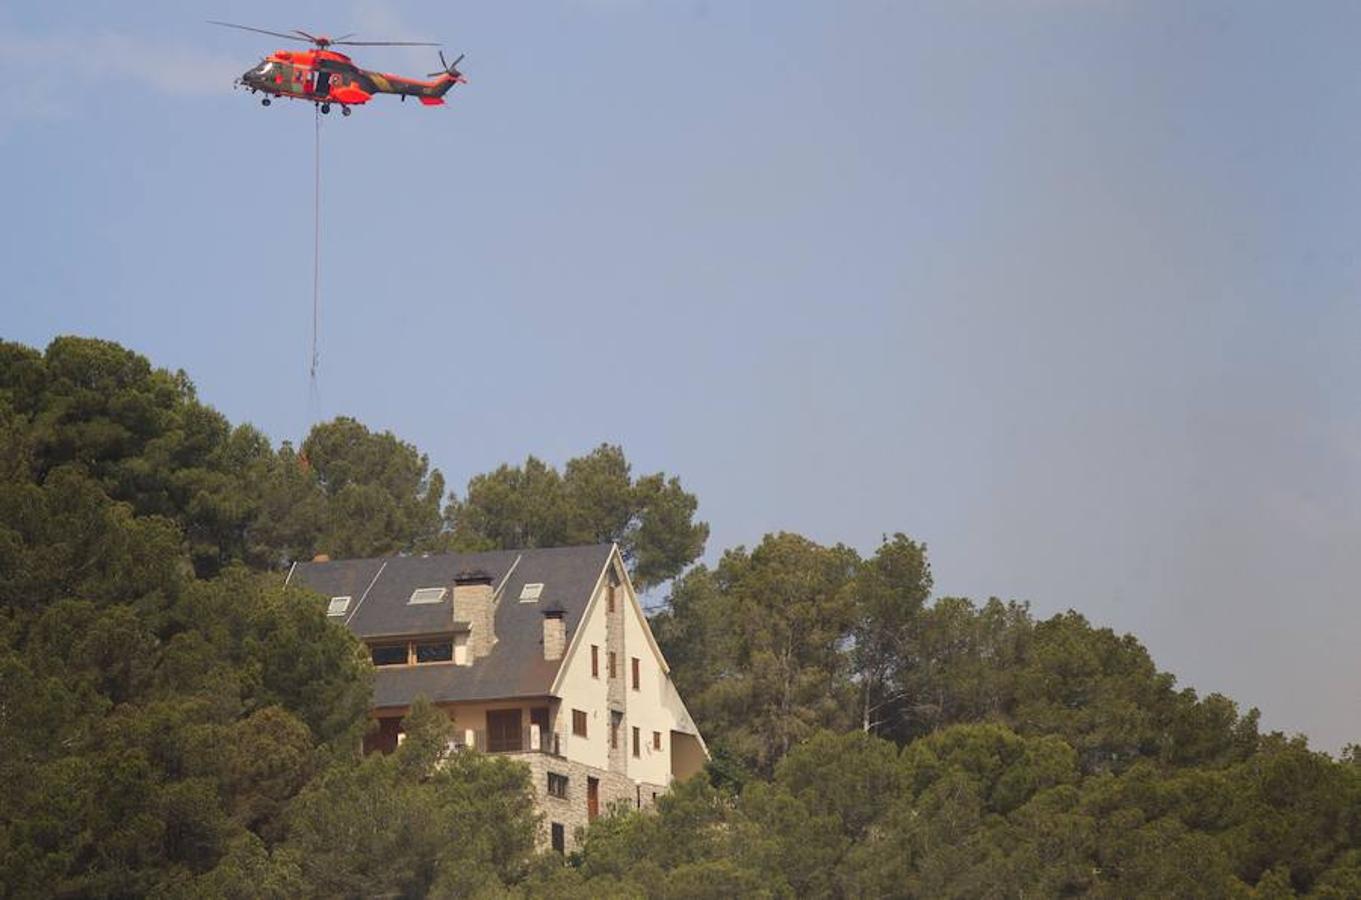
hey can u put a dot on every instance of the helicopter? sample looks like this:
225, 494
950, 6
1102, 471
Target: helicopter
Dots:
325, 76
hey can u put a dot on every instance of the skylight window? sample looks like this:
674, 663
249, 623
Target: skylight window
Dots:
338, 606
427, 595
530, 592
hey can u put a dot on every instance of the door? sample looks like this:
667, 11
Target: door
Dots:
592, 798
539, 716
384, 738
503, 730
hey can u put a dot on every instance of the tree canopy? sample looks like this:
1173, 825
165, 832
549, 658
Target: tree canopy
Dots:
176, 721
595, 499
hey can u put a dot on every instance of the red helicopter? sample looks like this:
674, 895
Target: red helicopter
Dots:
325, 76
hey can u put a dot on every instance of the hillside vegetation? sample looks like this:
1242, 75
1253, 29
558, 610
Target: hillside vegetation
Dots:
174, 721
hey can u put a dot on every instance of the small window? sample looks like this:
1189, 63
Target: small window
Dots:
635, 673
609, 600
389, 655
656, 742
530, 592
427, 595
595, 661
578, 723
435, 651
614, 734
337, 606
557, 785
637, 742
612, 668
559, 838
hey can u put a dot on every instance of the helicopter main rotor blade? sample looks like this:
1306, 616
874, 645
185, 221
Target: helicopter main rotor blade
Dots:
387, 43
278, 34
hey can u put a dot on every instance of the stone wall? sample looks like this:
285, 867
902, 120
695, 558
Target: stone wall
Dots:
571, 811
618, 696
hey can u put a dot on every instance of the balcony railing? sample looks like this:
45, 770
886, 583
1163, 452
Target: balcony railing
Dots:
529, 740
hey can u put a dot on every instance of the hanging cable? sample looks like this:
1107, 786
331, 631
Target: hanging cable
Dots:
314, 394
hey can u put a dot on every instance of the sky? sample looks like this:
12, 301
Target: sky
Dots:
1067, 290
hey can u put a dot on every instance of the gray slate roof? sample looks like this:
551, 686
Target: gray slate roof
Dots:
515, 667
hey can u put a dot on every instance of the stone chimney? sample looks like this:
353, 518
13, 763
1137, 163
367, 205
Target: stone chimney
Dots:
554, 631
473, 604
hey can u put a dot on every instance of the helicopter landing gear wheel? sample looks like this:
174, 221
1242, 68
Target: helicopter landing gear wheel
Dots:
325, 108
345, 110
265, 102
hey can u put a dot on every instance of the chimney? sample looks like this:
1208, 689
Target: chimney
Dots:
554, 632
473, 604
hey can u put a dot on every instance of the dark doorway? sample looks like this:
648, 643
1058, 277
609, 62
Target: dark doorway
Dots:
539, 716
384, 740
592, 799
503, 730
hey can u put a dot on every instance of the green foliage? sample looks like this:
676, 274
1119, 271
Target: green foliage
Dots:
174, 721
380, 494
762, 641
595, 499
979, 810
415, 822
890, 590
139, 434
770, 646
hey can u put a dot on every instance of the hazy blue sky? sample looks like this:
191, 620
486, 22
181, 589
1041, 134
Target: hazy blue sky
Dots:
1069, 290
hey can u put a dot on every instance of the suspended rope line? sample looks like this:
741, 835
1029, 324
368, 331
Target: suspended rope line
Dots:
314, 394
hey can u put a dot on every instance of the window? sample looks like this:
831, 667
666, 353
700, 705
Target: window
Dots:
595, 661
557, 785
337, 606
530, 592
637, 742
436, 651
559, 838
578, 723
612, 671
656, 740
503, 731
614, 731
635, 673
389, 655
427, 595
609, 600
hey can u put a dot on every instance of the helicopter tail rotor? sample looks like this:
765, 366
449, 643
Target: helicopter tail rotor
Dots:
450, 69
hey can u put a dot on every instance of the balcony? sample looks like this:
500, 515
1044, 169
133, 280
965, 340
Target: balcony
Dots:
532, 739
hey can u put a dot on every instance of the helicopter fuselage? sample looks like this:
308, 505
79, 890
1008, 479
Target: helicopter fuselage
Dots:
326, 76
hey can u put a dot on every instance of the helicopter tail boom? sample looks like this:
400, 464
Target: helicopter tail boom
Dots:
410, 87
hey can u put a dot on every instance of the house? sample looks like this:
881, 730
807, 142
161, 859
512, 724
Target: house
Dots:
544, 655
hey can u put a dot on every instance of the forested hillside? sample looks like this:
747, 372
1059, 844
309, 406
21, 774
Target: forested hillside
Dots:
174, 721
